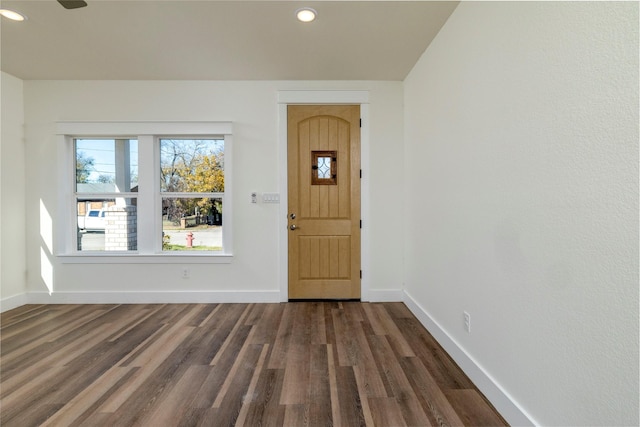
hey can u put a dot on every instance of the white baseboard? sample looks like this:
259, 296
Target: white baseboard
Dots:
12, 302
182, 297
385, 295
499, 398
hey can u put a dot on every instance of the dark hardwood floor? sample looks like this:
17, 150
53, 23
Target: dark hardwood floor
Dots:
295, 364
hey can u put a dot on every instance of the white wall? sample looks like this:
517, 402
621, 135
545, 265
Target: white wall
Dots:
386, 179
252, 107
521, 157
12, 190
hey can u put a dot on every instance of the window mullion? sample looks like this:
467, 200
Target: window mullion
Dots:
148, 183
66, 176
227, 224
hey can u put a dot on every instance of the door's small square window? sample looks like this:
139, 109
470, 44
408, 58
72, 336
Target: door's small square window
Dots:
323, 168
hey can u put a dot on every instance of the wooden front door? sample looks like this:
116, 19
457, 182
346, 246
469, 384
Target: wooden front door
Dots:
324, 201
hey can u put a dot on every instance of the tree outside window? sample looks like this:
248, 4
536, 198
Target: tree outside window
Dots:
192, 186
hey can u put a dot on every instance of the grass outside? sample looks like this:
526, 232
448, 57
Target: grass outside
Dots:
172, 247
171, 227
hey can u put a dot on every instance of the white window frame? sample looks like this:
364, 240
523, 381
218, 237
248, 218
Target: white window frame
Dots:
149, 196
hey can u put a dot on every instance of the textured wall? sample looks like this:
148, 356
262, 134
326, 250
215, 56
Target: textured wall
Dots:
12, 183
521, 159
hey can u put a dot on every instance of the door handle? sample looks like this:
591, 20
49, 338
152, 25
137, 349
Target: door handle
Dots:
293, 227
292, 216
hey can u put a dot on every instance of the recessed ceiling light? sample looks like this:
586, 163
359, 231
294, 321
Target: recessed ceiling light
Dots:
10, 14
306, 14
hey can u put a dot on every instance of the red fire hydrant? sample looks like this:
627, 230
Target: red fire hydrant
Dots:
189, 239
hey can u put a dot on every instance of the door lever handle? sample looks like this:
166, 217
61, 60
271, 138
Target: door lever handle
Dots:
293, 227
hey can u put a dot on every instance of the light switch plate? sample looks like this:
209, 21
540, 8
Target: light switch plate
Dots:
271, 197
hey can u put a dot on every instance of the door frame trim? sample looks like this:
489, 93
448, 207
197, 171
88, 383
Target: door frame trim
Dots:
328, 97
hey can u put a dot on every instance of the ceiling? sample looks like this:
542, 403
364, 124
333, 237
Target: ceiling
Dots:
218, 40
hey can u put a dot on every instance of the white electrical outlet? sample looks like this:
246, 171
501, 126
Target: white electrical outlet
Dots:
467, 322
254, 197
185, 273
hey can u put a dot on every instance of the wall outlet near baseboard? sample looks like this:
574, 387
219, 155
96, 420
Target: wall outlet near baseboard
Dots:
185, 273
467, 322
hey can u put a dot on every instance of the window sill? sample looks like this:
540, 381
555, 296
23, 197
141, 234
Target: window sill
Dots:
134, 258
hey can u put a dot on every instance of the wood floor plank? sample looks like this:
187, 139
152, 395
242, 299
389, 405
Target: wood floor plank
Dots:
319, 393
238, 325
296, 415
444, 370
398, 310
350, 398
354, 350
239, 363
153, 386
266, 326
392, 332
296, 375
283, 337
79, 404
212, 386
175, 401
250, 396
433, 400
386, 412
20, 314
92, 413
333, 387
473, 408
373, 319
29, 320
346, 344
161, 351
37, 335
214, 310
316, 363
401, 389
137, 318
265, 409
61, 357
361, 384
319, 331
17, 407
233, 396
204, 312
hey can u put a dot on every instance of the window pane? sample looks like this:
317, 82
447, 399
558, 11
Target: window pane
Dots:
192, 165
191, 224
106, 165
107, 224
324, 167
